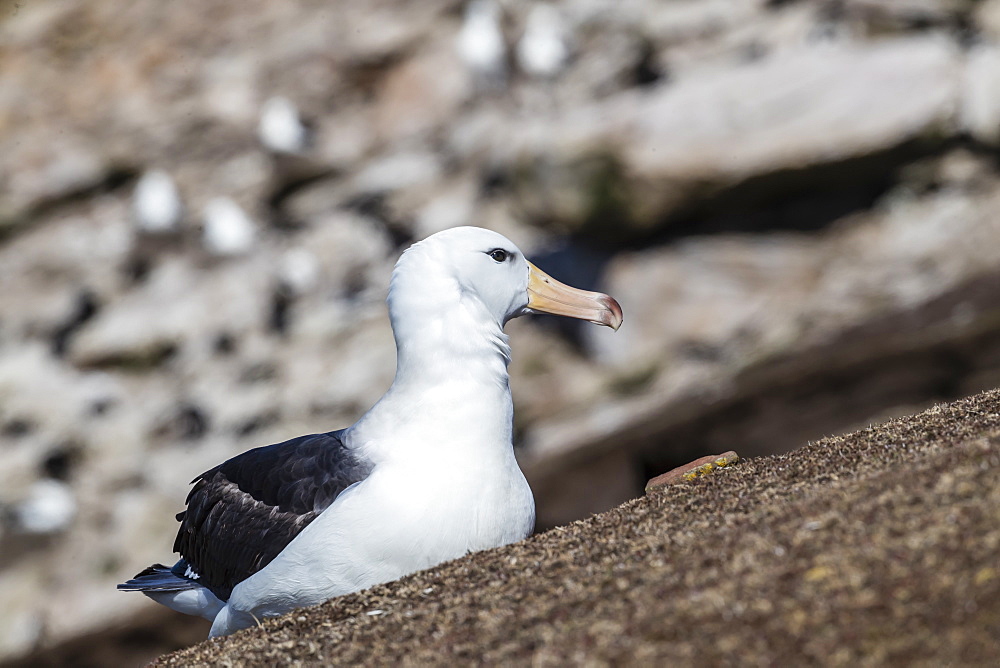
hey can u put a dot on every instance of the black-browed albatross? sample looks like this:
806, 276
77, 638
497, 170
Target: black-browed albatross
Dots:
426, 475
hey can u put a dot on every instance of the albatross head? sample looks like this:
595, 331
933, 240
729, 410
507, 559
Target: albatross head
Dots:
484, 271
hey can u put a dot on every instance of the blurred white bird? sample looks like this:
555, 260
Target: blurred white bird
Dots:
543, 49
281, 129
156, 203
227, 228
48, 508
299, 270
481, 43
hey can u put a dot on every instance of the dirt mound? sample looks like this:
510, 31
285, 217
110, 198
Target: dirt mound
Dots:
879, 547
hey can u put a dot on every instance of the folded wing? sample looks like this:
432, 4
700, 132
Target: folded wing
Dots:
241, 514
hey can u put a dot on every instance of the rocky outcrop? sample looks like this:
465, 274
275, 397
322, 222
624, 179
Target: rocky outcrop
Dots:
639, 163
793, 201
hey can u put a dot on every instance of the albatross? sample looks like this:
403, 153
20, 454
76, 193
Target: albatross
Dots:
428, 474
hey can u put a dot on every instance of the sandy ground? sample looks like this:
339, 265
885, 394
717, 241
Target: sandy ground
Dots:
881, 547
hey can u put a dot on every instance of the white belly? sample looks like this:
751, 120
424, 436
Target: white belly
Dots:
398, 520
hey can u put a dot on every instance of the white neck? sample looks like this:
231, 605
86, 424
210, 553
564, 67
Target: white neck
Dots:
451, 393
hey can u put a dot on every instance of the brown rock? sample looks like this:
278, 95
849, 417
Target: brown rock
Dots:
696, 469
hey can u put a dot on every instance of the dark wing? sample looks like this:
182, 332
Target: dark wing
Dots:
242, 513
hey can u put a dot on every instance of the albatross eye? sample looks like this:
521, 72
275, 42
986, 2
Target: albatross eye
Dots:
499, 254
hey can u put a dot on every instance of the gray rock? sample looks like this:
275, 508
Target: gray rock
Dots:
629, 166
719, 324
177, 304
980, 110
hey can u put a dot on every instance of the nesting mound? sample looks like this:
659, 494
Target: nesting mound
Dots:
882, 546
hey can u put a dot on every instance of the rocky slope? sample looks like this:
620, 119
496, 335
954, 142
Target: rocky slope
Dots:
795, 203
876, 548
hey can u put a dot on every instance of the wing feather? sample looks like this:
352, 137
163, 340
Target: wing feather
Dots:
244, 512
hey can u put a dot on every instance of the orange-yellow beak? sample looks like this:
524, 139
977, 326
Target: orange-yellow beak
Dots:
547, 295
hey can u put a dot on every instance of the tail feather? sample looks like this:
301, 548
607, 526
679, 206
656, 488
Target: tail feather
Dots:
173, 588
159, 578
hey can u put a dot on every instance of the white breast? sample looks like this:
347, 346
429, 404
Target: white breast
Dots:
404, 517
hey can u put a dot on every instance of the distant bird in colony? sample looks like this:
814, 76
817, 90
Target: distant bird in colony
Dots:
48, 509
281, 129
227, 229
426, 475
481, 44
156, 203
543, 50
